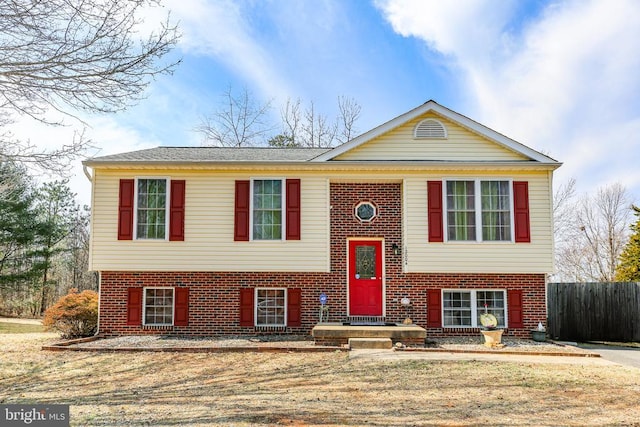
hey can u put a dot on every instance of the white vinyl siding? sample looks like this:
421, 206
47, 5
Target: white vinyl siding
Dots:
461, 144
421, 256
209, 223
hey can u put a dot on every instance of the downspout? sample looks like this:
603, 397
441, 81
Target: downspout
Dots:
85, 169
99, 301
86, 173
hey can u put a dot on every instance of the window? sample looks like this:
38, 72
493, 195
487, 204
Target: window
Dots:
496, 210
270, 307
158, 306
267, 202
461, 216
457, 308
464, 308
484, 218
365, 211
493, 303
151, 209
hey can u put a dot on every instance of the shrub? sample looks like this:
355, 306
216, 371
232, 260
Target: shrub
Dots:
74, 315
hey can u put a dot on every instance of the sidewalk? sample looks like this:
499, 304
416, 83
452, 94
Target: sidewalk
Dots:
576, 359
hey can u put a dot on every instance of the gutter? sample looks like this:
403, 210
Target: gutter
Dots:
85, 169
353, 165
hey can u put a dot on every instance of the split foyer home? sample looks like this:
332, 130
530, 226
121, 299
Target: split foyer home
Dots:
430, 216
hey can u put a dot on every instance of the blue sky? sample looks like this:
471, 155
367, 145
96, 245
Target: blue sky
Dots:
562, 77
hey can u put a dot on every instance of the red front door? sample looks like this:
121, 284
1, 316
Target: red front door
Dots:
365, 278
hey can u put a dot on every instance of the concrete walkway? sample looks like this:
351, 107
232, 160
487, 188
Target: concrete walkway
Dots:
493, 357
628, 356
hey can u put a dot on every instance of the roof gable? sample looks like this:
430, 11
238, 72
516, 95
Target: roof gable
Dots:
452, 143
487, 144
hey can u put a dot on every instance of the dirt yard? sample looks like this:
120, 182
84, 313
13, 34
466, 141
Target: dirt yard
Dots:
242, 389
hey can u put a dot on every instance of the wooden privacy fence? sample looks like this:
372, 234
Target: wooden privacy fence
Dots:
594, 311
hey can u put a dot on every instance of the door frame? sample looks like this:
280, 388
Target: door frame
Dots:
384, 275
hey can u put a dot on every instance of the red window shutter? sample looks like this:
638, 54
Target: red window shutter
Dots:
434, 211
241, 226
294, 307
181, 310
293, 209
246, 307
176, 211
125, 209
521, 211
434, 308
514, 303
134, 306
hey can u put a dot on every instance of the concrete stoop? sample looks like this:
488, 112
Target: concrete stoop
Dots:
370, 343
337, 334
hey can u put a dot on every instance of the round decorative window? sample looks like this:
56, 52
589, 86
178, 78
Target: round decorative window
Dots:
365, 211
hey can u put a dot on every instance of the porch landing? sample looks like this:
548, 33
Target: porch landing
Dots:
339, 334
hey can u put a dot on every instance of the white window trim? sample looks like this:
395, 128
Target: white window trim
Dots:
478, 210
255, 307
283, 204
375, 211
166, 208
474, 308
144, 306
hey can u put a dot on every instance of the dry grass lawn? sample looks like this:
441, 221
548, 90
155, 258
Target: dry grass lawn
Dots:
133, 389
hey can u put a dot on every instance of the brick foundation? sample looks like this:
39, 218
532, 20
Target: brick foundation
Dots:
214, 296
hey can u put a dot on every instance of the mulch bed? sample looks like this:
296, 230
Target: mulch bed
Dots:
288, 343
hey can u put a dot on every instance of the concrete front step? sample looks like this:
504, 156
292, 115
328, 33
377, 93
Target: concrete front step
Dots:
339, 334
369, 343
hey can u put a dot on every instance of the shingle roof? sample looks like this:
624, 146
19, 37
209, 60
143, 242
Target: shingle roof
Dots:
211, 154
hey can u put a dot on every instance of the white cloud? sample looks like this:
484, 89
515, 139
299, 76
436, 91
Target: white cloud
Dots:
470, 30
564, 84
220, 29
107, 134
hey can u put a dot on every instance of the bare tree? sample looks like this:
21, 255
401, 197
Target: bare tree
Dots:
591, 233
349, 115
605, 221
291, 120
309, 128
563, 209
57, 160
239, 122
71, 56
316, 130
565, 231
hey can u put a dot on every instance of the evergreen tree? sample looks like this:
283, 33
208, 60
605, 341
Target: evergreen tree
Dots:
19, 227
56, 209
629, 268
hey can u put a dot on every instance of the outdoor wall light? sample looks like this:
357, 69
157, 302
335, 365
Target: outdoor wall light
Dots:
396, 249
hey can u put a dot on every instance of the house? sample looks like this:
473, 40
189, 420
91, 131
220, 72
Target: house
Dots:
430, 215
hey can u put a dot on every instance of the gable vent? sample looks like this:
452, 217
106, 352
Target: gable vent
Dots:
430, 128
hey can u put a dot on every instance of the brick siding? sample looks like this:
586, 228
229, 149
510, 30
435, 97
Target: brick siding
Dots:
214, 296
